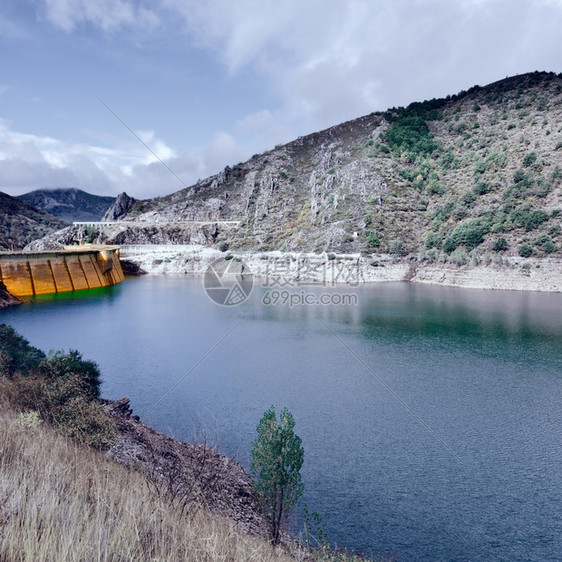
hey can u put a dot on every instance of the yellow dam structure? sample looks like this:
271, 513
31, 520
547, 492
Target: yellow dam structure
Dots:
73, 269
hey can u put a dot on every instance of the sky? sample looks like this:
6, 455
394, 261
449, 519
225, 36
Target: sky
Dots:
87, 85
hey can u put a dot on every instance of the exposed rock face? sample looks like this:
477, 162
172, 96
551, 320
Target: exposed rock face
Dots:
462, 181
452, 180
121, 206
129, 232
191, 473
6, 298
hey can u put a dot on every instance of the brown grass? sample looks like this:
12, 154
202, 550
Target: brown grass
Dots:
62, 501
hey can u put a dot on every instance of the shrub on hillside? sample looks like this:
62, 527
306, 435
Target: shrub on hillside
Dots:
61, 388
398, 248
410, 134
449, 245
525, 250
529, 159
500, 245
373, 239
433, 240
470, 233
523, 216
16, 355
60, 366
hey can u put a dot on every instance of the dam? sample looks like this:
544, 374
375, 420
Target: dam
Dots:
26, 274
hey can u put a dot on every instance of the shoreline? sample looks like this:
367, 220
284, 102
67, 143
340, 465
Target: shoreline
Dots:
503, 273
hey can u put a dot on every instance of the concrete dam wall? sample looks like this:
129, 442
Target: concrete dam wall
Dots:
39, 273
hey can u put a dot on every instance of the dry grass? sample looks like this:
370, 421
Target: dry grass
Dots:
61, 501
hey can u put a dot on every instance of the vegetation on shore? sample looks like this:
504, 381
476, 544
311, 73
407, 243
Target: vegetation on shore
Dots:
63, 498
64, 501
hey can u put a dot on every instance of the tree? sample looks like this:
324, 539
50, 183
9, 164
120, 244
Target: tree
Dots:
277, 457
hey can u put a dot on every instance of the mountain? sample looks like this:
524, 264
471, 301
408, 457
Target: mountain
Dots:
464, 179
20, 223
69, 204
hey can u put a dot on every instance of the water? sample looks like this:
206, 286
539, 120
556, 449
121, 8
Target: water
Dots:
430, 417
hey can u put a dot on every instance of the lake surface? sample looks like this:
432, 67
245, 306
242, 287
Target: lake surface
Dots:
431, 417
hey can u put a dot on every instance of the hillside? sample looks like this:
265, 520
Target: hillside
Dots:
465, 178
69, 204
20, 223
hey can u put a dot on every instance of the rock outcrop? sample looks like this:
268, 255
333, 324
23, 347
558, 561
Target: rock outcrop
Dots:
121, 206
6, 298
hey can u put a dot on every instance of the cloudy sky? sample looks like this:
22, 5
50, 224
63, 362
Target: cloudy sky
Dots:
206, 83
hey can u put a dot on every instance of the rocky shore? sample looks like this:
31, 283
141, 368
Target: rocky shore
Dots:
192, 475
6, 298
507, 273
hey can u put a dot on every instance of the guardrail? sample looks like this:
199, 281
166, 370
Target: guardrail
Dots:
154, 223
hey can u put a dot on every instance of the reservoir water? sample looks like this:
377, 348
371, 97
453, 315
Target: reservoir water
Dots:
431, 417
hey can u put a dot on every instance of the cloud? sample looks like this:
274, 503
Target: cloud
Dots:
108, 15
332, 60
322, 61
30, 162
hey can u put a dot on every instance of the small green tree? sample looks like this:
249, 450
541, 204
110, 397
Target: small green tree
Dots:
277, 457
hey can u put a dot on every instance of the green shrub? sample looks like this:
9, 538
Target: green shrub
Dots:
523, 216
91, 234
449, 245
500, 245
460, 257
433, 240
410, 134
522, 181
373, 239
481, 188
16, 355
59, 366
66, 403
469, 197
546, 244
434, 187
398, 248
496, 160
548, 247
470, 233
223, 246
62, 389
525, 250
447, 160
529, 159
535, 219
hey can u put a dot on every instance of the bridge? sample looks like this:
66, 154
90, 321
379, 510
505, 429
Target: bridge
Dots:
97, 224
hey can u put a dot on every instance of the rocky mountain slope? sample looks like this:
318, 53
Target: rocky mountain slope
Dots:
471, 177
21, 223
69, 204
